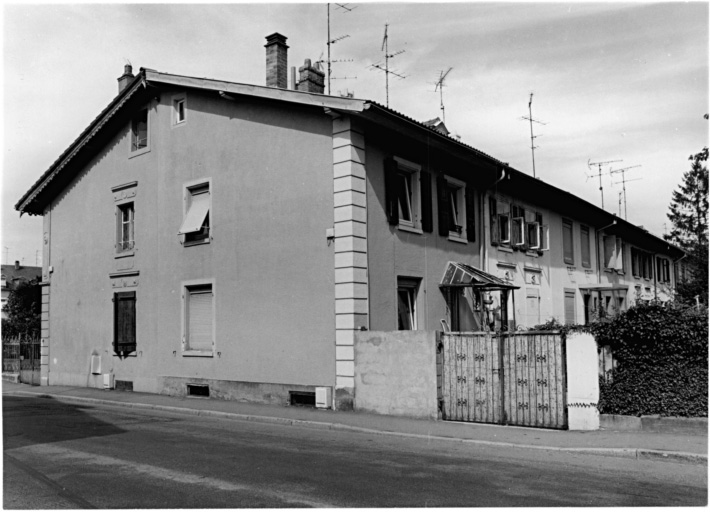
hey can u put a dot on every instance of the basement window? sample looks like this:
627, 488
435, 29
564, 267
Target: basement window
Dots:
201, 390
302, 398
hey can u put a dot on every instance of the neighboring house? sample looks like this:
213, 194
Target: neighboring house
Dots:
12, 275
239, 235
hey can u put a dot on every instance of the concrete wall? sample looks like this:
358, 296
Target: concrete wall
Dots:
395, 373
582, 382
270, 167
394, 252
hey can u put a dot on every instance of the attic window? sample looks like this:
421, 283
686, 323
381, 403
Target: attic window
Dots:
139, 131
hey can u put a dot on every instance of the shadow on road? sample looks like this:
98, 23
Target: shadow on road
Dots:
29, 420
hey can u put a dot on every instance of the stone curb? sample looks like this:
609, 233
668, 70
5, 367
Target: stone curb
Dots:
630, 453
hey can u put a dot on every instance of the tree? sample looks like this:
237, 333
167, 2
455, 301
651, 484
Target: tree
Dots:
24, 310
689, 215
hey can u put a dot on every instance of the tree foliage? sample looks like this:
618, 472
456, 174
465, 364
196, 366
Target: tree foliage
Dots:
24, 310
688, 213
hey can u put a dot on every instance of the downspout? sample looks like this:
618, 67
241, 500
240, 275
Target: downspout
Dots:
655, 276
485, 236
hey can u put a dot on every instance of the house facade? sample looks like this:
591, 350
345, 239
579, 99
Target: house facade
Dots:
206, 234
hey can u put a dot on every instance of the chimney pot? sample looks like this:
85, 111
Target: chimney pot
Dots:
125, 78
17, 265
276, 61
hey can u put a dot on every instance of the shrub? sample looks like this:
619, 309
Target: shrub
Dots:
661, 355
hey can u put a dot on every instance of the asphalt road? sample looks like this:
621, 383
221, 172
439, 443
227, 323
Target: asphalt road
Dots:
68, 456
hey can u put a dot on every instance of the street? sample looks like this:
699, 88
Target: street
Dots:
59, 455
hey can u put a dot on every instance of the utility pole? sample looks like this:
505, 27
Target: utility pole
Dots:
532, 135
623, 181
386, 69
601, 187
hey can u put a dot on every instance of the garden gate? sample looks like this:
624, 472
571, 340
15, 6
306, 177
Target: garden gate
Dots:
514, 378
21, 355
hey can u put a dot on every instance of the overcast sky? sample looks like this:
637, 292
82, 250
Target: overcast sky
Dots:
613, 81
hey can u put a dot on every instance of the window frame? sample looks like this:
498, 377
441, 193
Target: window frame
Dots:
120, 250
405, 168
132, 132
569, 260
196, 286
188, 194
177, 100
457, 189
409, 285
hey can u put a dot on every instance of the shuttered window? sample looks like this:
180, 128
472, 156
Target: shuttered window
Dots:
586, 252
570, 314
139, 131
124, 322
199, 328
567, 246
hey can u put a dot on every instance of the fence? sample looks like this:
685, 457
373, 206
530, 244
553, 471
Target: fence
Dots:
21, 355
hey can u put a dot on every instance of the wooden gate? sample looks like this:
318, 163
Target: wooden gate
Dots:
507, 378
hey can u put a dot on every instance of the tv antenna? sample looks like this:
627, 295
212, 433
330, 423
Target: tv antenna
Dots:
345, 8
386, 69
440, 85
532, 135
599, 164
624, 181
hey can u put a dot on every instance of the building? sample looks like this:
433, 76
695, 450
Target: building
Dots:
241, 234
12, 275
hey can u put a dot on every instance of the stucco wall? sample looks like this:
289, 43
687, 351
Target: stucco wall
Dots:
393, 252
395, 373
582, 382
272, 202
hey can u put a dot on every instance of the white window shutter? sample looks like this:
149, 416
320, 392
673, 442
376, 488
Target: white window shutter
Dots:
200, 320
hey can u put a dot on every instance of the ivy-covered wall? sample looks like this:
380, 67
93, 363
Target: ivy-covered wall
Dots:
661, 355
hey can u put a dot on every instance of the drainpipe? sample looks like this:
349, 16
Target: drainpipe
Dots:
655, 276
485, 236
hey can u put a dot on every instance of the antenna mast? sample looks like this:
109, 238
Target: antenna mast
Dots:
440, 86
386, 69
532, 135
599, 164
623, 181
333, 41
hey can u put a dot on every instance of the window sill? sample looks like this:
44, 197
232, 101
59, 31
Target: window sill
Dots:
139, 152
197, 353
125, 254
458, 239
533, 253
505, 248
410, 229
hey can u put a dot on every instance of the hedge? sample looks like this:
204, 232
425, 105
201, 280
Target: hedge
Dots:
661, 356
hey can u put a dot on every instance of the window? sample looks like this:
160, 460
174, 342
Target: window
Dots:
124, 322
518, 226
198, 319
620, 247
567, 246
195, 227
408, 195
609, 243
569, 304
586, 252
503, 222
179, 110
125, 240
139, 131
663, 270
407, 303
635, 262
455, 210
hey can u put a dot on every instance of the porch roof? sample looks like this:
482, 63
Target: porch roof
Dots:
461, 275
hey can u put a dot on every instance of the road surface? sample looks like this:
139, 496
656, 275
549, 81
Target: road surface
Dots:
59, 455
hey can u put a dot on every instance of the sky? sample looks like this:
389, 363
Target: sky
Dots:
611, 81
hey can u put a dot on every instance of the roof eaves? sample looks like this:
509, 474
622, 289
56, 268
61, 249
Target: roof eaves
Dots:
78, 143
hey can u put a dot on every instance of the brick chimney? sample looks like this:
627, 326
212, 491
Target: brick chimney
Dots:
125, 78
17, 265
312, 79
276, 61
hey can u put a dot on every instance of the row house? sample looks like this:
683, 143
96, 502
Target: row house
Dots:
204, 236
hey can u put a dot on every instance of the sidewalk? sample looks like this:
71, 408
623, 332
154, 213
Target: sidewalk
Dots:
683, 448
